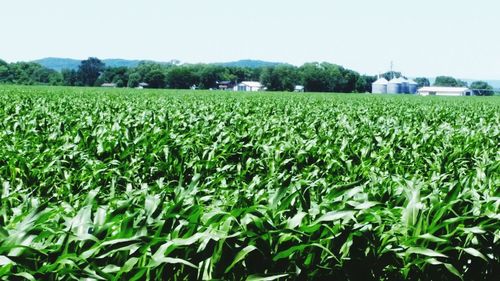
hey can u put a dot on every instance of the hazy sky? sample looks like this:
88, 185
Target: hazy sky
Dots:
422, 37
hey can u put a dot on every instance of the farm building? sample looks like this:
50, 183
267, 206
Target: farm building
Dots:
225, 85
142, 85
445, 91
299, 88
109, 85
248, 86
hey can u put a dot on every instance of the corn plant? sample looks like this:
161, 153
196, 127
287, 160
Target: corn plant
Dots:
178, 185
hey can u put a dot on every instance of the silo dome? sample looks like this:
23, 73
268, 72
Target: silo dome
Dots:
394, 86
412, 86
380, 86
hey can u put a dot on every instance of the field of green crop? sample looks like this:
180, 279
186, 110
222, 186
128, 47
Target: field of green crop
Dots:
165, 185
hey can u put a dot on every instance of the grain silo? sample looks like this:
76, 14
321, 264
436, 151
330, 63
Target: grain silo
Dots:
404, 85
394, 86
380, 86
412, 87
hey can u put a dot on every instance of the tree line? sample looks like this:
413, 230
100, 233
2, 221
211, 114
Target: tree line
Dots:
315, 77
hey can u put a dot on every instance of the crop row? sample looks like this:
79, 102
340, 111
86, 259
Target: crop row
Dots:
198, 185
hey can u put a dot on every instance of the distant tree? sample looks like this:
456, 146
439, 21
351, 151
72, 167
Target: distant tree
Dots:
133, 80
481, 88
364, 83
448, 81
117, 75
327, 77
90, 70
55, 78
348, 82
210, 74
280, 78
70, 77
155, 79
27, 73
315, 77
391, 74
181, 77
4, 72
242, 74
422, 82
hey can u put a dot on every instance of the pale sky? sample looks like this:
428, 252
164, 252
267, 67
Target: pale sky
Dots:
423, 37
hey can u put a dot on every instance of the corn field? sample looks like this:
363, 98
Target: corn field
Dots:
165, 185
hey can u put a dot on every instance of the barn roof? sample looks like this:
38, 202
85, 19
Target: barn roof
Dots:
252, 84
444, 89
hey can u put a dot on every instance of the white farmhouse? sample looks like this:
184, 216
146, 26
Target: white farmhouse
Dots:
445, 91
248, 86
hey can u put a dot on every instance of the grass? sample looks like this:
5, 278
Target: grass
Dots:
126, 184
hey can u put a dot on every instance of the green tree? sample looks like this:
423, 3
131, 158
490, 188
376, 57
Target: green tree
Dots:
481, 88
90, 70
181, 77
133, 80
315, 77
70, 77
280, 78
27, 73
117, 75
210, 74
391, 74
422, 82
155, 79
4, 72
364, 83
448, 81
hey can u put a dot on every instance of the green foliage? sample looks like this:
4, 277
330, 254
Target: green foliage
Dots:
70, 78
391, 74
117, 75
126, 185
155, 79
90, 70
134, 80
422, 82
280, 78
182, 77
447, 81
482, 88
327, 77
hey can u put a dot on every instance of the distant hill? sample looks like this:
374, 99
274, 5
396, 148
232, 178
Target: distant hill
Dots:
66, 63
251, 63
58, 63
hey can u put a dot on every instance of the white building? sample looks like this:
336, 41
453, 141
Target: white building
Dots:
248, 86
299, 88
445, 91
109, 85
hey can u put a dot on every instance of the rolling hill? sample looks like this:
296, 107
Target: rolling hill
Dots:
59, 64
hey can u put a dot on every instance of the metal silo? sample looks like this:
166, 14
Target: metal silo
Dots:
394, 86
380, 86
412, 87
404, 85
